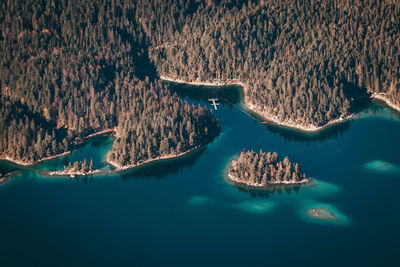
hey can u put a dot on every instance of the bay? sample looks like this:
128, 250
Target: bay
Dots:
184, 212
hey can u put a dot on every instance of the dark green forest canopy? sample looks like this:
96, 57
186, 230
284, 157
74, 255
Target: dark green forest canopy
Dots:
305, 61
71, 68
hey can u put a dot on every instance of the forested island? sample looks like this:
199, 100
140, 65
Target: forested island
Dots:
70, 69
77, 168
262, 170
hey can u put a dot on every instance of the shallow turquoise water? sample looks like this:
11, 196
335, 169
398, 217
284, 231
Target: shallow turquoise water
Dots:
183, 212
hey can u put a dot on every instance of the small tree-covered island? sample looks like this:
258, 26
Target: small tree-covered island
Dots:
262, 170
76, 168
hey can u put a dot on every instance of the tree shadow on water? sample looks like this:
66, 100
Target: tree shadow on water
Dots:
330, 132
160, 169
8, 167
271, 190
229, 94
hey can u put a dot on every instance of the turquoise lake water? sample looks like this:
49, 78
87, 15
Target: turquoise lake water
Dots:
182, 212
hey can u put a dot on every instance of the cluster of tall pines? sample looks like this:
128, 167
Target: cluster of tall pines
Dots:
304, 61
166, 127
72, 68
79, 166
261, 169
26, 135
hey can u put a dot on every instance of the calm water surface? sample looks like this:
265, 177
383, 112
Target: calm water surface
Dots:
183, 212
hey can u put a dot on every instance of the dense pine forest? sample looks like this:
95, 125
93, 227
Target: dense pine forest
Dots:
158, 125
307, 62
263, 169
71, 68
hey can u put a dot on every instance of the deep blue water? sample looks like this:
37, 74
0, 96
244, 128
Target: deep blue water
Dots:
182, 212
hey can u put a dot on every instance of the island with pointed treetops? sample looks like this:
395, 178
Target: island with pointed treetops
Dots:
77, 168
262, 170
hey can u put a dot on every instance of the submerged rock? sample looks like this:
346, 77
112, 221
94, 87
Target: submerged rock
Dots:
381, 167
322, 214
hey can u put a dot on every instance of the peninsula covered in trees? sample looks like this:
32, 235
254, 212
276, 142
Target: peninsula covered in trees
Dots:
303, 64
69, 69
166, 127
264, 169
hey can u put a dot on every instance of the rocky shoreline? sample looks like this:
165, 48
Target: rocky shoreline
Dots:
24, 163
263, 170
237, 181
118, 167
249, 106
273, 118
380, 96
72, 174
